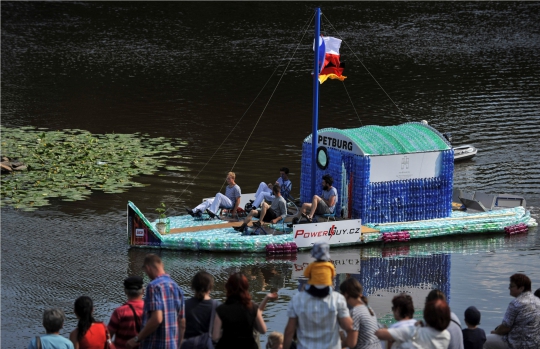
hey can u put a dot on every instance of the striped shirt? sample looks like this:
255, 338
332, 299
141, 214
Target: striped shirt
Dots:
318, 319
366, 325
123, 323
165, 295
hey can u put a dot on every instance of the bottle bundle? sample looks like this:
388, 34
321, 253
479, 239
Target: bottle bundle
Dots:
396, 236
401, 139
211, 241
361, 194
285, 248
410, 200
305, 173
516, 229
167, 226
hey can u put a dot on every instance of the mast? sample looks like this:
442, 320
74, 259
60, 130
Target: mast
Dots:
315, 118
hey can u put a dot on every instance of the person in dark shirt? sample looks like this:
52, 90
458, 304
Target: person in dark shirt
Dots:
473, 336
237, 317
199, 308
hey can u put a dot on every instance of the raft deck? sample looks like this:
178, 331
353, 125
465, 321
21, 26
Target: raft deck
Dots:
364, 229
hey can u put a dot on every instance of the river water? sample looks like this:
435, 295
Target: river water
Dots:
191, 71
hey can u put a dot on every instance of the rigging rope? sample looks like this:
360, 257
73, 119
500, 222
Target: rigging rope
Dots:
350, 99
274, 91
243, 115
373, 77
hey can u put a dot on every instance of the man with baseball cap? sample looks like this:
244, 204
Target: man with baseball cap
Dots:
125, 322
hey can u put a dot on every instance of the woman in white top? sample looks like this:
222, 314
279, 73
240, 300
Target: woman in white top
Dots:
433, 336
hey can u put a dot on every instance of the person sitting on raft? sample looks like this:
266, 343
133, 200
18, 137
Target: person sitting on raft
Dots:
264, 192
230, 200
269, 214
324, 204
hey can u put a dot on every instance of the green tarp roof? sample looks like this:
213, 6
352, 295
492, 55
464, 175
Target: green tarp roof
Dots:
412, 137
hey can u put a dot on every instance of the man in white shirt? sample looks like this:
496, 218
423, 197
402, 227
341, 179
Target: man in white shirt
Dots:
230, 200
317, 321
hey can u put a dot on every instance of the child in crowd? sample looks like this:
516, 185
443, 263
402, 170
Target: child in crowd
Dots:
320, 273
473, 337
53, 321
275, 341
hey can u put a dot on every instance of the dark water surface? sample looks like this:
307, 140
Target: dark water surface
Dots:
191, 70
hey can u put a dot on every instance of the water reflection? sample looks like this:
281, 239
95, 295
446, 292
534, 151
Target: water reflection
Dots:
414, 268
263, 272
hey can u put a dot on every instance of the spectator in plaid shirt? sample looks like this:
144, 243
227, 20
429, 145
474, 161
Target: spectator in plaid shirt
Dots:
164, 323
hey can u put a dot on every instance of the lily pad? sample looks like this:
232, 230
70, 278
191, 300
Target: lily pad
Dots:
69, 164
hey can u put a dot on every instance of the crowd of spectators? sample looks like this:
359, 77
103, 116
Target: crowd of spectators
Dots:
318, 317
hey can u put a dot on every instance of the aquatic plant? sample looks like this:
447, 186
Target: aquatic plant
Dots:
69, 164
161, 212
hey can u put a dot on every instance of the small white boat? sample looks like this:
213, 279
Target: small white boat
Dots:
464, 152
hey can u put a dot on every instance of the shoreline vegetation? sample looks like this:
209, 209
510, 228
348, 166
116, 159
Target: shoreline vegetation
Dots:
69, 164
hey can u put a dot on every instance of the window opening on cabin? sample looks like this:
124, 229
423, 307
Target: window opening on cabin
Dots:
322, 158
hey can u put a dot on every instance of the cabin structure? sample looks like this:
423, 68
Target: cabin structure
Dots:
383, 173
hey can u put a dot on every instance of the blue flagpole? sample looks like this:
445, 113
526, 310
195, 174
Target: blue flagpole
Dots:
315, 119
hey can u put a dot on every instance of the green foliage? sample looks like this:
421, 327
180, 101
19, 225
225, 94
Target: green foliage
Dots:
161, 212
69, 164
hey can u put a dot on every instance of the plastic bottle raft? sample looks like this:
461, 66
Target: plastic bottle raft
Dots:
213, 235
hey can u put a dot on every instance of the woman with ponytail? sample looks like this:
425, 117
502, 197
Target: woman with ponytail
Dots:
364, 320
237, 317
89, 334
200, 311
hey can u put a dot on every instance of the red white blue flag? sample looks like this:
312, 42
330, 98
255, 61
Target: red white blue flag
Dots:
330, 66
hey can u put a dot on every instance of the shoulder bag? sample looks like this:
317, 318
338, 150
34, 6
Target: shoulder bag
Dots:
136, 317
202, 341
108, 342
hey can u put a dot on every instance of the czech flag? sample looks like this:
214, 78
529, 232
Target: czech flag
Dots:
330, 67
